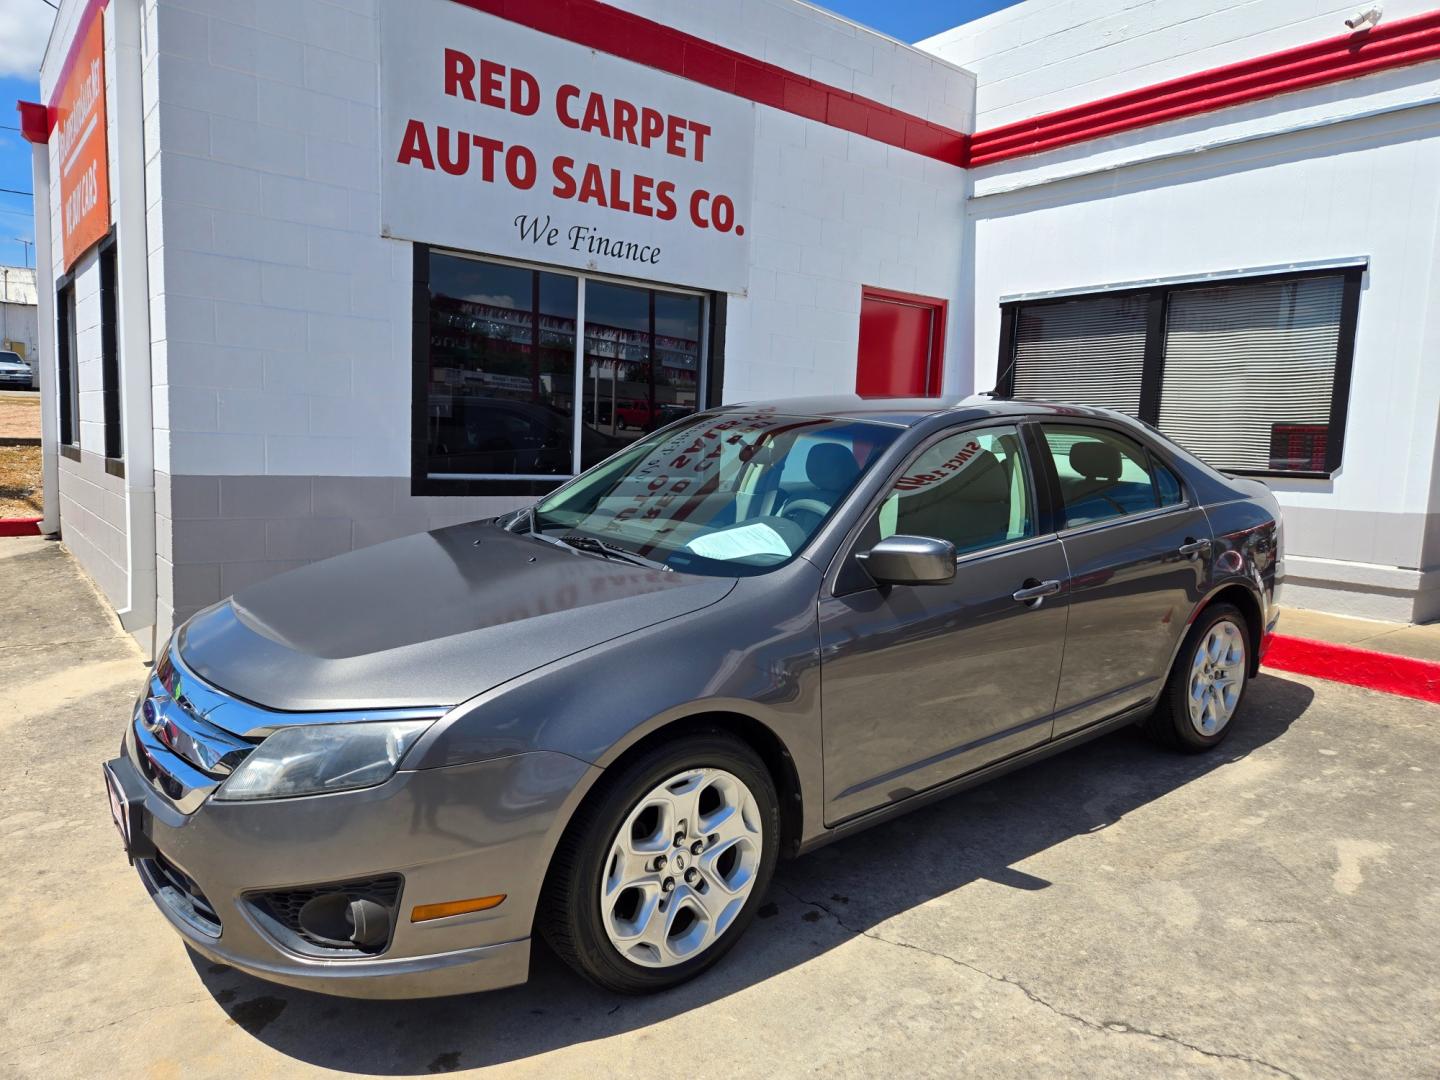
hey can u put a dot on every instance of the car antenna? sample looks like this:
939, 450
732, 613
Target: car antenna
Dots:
994, 392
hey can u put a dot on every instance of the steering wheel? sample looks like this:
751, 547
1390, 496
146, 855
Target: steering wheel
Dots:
805, 506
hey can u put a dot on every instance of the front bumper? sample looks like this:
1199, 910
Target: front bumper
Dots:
451, 833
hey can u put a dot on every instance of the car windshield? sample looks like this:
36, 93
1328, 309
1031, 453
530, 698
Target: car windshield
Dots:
730, 493
11, 358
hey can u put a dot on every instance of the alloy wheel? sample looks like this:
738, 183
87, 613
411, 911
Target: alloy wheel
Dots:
681, 867
1217, 677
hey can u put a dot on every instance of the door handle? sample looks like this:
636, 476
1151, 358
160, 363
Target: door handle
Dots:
1037, 591
1194, 547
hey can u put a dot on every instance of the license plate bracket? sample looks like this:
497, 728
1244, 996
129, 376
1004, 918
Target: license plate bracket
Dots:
127, 809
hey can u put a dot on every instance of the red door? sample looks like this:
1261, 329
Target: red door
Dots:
902, 344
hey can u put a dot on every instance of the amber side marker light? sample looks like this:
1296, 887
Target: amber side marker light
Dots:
426, 912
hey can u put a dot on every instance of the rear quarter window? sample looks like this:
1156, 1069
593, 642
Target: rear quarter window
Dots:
1168, 485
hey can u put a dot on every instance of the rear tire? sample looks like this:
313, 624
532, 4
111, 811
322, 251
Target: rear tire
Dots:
1207, 684
633, 924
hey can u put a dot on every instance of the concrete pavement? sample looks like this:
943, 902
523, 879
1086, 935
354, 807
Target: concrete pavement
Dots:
1269, 910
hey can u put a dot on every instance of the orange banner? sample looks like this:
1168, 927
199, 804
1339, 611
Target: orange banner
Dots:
84, 165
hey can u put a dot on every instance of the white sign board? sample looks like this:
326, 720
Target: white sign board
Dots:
499, 139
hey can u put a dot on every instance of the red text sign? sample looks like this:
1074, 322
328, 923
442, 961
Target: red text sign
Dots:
500, 139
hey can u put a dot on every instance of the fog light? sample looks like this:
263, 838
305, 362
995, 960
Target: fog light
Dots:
369, 924
337, 919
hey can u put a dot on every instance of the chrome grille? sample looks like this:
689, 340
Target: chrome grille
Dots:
177, 749
187, 736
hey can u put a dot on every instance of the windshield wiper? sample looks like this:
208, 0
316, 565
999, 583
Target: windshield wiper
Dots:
596, 546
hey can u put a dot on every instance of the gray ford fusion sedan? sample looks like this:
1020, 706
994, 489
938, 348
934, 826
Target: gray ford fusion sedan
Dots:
605, 717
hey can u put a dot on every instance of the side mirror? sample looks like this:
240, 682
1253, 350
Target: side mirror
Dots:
910, 560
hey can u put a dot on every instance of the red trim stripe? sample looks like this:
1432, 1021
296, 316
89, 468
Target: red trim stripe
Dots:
643, 41
1398, 44
631, 37
1358, 667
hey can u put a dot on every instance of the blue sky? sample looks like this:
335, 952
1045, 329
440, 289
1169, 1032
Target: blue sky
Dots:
911, 20
25, 23
15, 217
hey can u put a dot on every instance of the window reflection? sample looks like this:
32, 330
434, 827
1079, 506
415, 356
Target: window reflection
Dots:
501, 388
642, 362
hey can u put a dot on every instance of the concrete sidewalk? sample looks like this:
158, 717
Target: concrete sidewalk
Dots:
1269, 910
1396, 639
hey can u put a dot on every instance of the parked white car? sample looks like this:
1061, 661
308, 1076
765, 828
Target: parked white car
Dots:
15, 373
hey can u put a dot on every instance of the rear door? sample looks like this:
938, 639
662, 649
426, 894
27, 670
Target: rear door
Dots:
923, 683
1137, 548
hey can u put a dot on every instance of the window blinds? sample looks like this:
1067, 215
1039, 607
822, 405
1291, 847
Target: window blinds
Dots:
1250, 370
1082, 352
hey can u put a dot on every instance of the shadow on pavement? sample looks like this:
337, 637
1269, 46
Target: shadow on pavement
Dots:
892, 868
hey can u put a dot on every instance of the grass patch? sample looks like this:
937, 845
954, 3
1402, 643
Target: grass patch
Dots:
20, 481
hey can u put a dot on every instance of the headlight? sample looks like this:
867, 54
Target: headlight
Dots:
323, 757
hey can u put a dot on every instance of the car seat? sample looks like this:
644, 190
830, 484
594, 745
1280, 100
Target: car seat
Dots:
1094, 497
831, 470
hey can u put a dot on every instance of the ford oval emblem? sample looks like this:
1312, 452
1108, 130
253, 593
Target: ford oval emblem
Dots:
147, 710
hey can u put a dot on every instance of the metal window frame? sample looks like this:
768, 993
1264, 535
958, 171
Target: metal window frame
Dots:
67, 376
708, 379
110, 356
1152, 377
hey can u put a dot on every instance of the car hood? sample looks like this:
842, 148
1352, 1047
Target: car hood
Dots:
427, 620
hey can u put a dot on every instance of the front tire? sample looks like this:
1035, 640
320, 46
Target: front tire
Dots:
662, 870
1206, 686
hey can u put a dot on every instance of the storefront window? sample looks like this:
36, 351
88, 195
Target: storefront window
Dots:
501, 390
1090, 350
1252, 374
504, 368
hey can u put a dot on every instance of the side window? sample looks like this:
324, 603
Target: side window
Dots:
1103, 475
969, 489
1168, 485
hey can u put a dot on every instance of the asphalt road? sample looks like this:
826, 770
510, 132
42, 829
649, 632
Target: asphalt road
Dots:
1272, 909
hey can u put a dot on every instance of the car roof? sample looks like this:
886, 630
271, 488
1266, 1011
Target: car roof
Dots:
907, 412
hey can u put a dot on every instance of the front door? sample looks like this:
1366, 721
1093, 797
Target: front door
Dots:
923, 683
1136, 547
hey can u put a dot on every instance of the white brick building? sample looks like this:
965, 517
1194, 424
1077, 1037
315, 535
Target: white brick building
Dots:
304, 327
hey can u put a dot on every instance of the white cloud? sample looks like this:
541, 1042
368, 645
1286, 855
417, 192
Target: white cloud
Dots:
24, 28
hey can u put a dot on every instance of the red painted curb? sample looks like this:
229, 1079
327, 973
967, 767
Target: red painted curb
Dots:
20, 526
1359, 667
